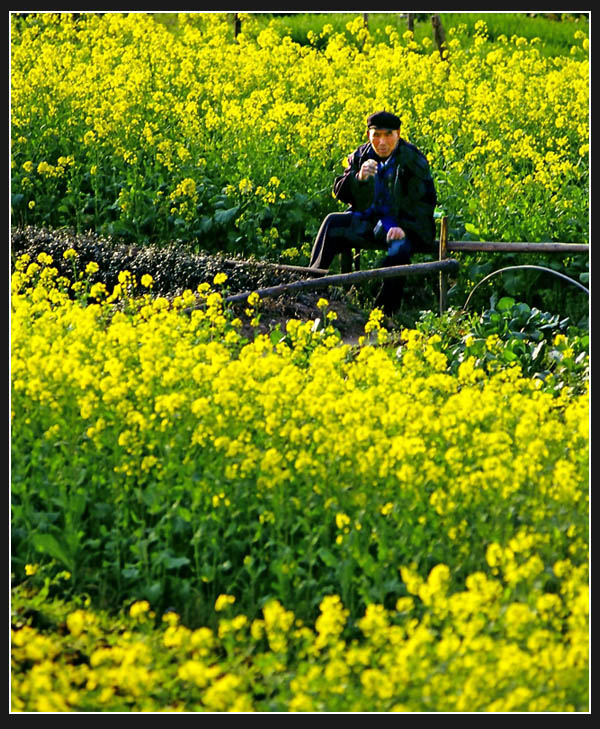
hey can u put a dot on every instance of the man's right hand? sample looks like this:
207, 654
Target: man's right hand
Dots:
368, 169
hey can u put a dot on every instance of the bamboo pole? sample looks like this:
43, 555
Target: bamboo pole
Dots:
349, 278
443, 277
476, 245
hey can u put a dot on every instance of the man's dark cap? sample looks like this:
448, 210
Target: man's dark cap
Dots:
383, 120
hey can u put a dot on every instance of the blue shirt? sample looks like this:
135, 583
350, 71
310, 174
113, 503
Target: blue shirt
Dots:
382, 206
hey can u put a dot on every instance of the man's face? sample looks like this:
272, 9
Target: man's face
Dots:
384, 141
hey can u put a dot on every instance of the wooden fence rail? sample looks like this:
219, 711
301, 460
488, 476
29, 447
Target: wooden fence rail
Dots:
502, 247
471, 245
443, 267
340, 279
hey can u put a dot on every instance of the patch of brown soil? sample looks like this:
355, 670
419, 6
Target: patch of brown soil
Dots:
274, 311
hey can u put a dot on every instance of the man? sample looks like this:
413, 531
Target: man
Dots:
392, 197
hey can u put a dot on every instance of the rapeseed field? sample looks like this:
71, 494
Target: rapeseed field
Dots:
207, 521
122, 125
296, 524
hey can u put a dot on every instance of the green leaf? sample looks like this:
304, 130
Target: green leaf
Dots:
536, 335
505, 303
184, 513
77, 504
205, 224
328, 557
207, 573
509, 356
47, 544
153, 592
538, 349
224, 217
523, 309
130, 573
480, 269
276, 335
173, 563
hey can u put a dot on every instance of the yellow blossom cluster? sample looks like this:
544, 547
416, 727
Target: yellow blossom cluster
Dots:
163, 124
439, 650
292, 467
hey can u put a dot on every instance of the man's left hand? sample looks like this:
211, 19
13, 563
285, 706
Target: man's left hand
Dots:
395, 234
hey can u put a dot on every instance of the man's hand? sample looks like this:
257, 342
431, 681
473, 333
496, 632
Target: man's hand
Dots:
395, 234
368, 169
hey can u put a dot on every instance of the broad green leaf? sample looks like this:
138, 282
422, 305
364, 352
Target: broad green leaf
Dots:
49, 545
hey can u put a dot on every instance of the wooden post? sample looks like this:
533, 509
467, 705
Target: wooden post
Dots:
442, 257
237, 25
438, 34
410, 22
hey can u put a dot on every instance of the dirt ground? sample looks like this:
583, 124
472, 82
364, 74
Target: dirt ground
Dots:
350, 321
